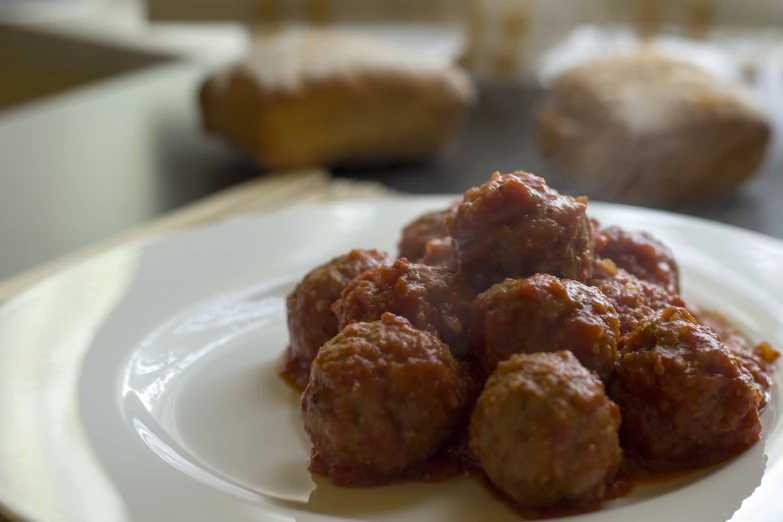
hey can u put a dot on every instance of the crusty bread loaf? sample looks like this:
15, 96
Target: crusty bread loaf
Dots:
323, 97
647, 129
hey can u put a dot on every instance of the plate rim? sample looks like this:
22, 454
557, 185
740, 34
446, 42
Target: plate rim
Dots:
9, 507
139, 243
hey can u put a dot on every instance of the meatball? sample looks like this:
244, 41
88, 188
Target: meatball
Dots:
634, 300
759, 360
686, 400
599, 240
431, 298
420, 231
381, 396
310, 319
515, 226
440, 252
545, 432
640, 254
544, 314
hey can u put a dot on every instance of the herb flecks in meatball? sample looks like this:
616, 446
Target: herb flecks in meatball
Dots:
544, 314
516, 226
433, 299
381, 397
545, 432
640, 254
309, 306
686, 400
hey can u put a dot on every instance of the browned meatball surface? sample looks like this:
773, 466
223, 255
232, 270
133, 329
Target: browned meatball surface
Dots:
516, 226
421, 230
431, 298
545, 431
758, 359
544, 314
634, 300
599, 240
686, 400
440, 252
640, 254
310, 319
381, 396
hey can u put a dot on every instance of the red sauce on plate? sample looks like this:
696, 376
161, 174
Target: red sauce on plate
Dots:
689, 387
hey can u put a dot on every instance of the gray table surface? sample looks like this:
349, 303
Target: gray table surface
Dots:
85, 165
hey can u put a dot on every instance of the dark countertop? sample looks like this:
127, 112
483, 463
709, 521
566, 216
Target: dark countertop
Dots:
83, 166
498, 135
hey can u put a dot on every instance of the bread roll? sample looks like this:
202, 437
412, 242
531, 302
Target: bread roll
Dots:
323, 97
651, 130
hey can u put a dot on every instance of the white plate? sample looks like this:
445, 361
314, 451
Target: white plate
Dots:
142, 385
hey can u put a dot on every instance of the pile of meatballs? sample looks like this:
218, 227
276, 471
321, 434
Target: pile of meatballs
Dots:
556, 351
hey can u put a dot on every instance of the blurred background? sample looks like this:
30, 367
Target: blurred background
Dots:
114, 112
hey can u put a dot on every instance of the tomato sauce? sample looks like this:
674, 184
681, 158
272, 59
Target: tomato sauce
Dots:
456, 460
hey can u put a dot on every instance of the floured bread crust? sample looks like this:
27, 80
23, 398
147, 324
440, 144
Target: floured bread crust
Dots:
321, 97
647, 129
